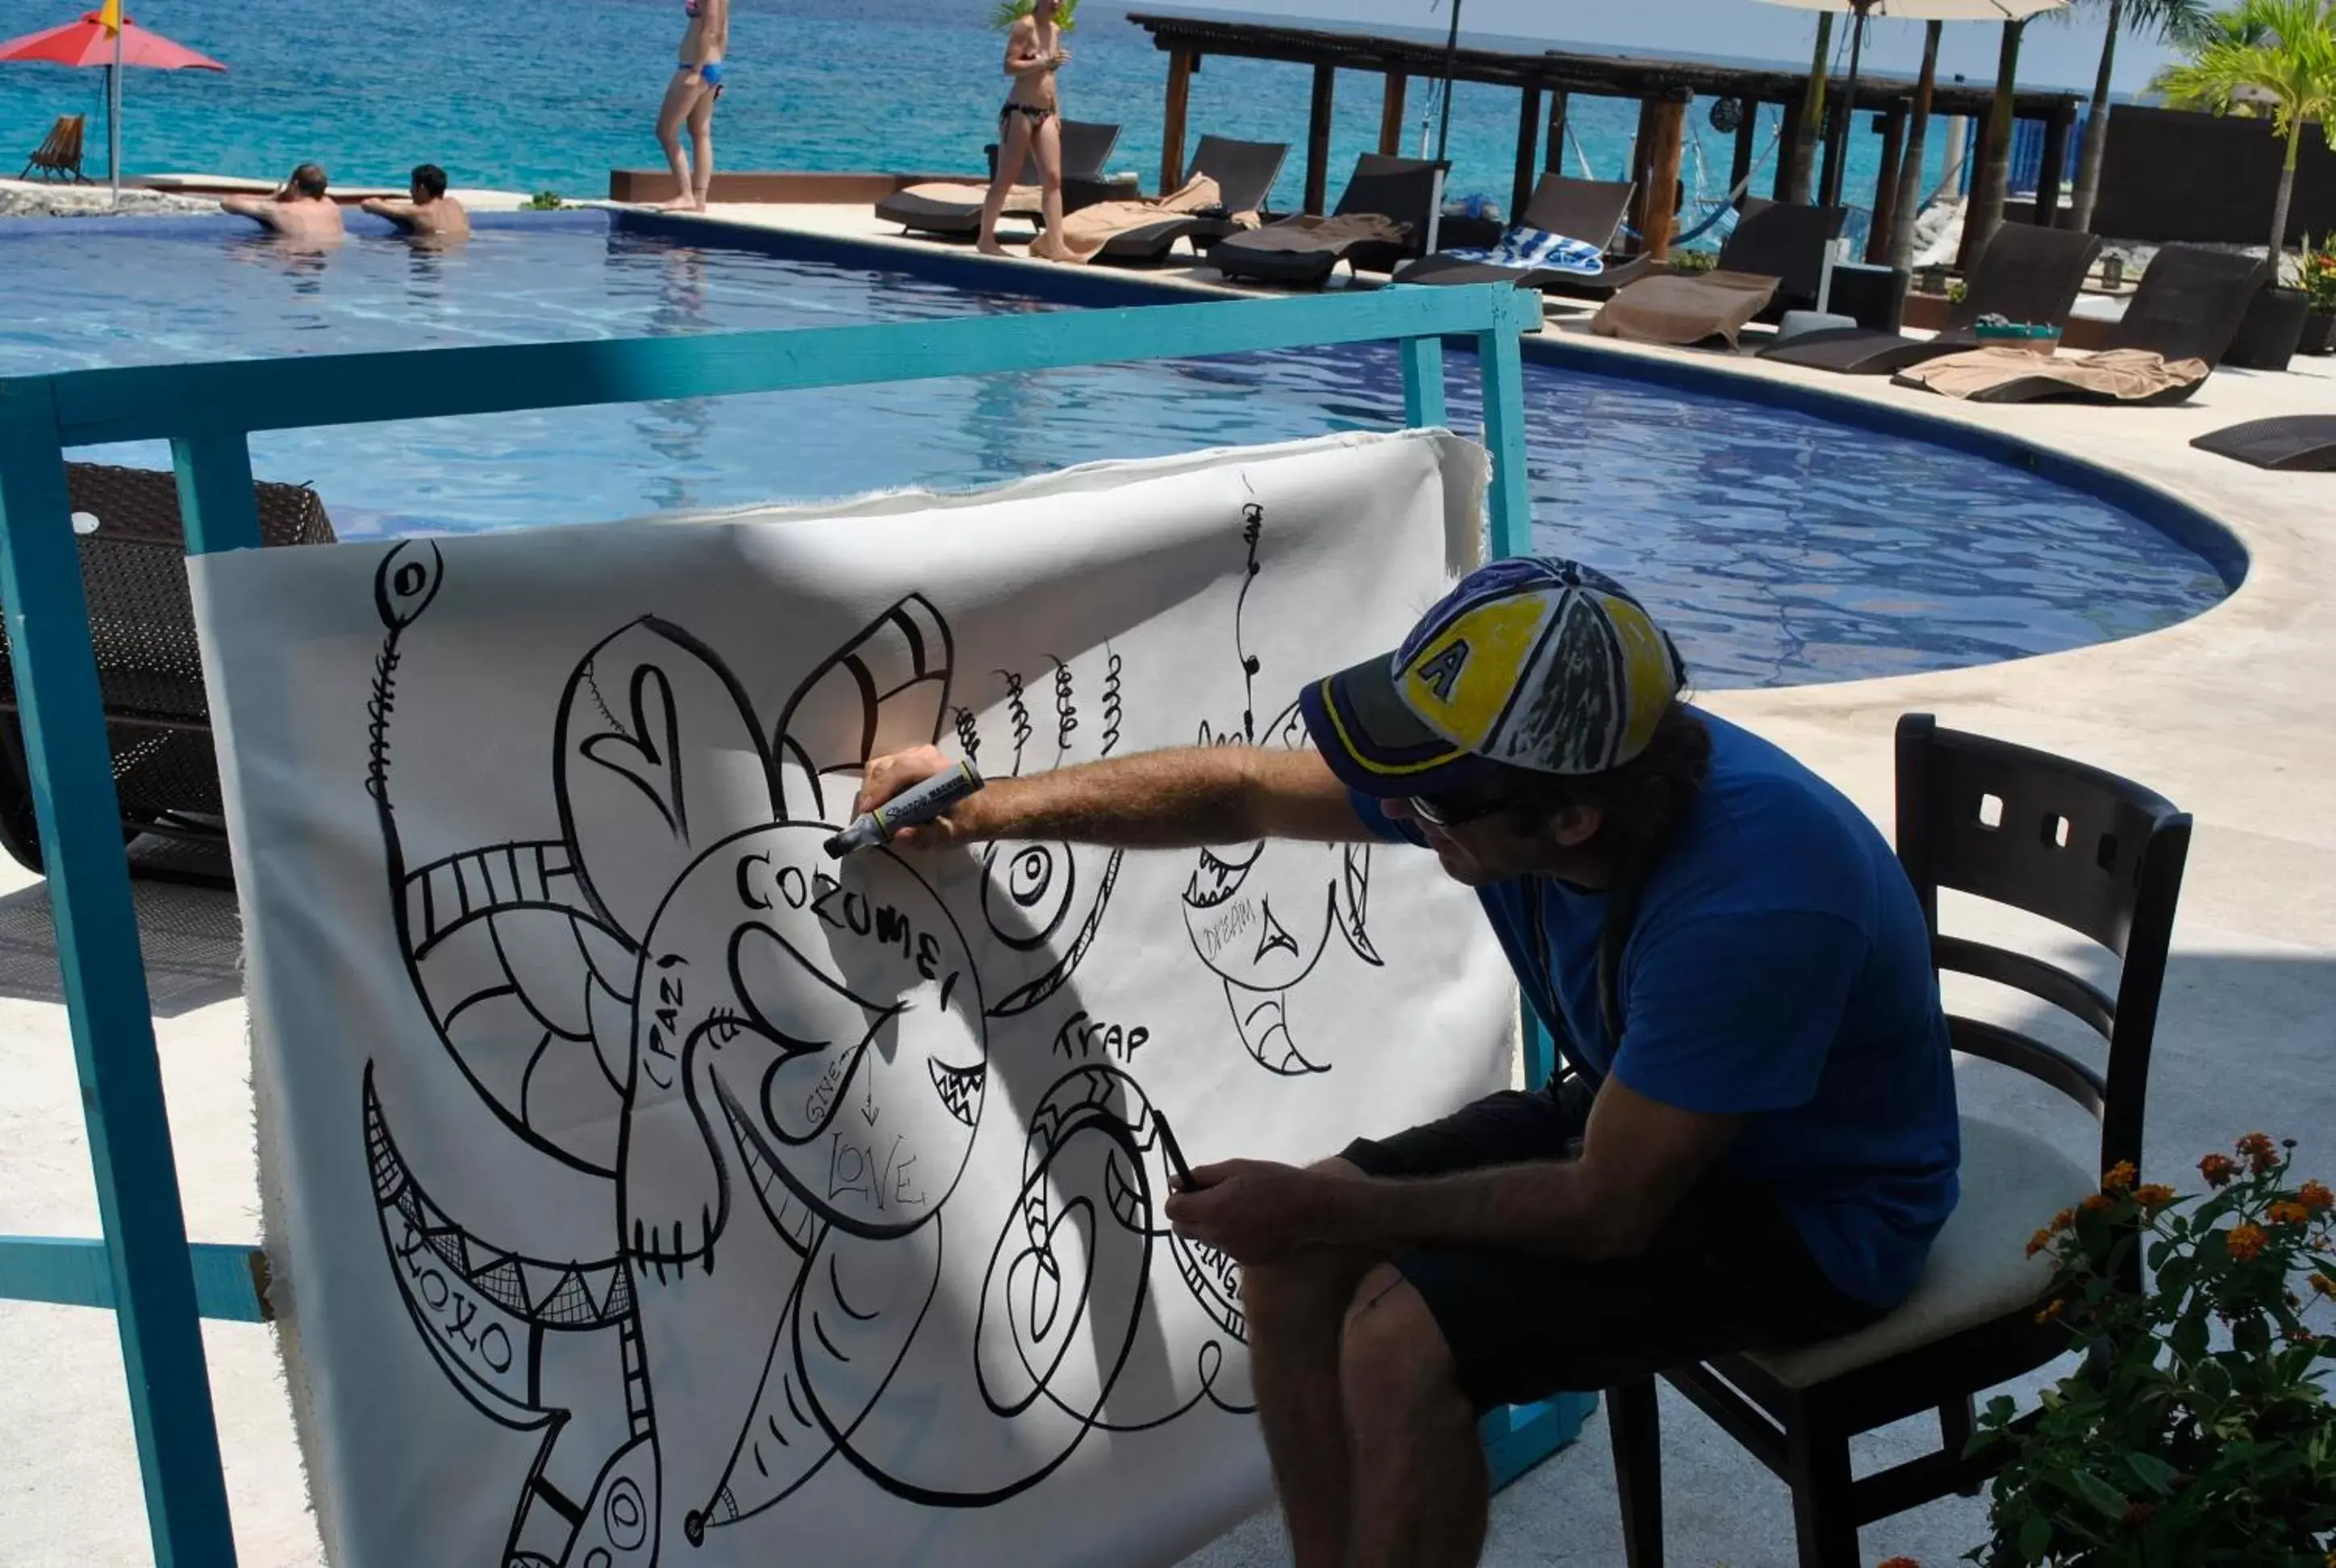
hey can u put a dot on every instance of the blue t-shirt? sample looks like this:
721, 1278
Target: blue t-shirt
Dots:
1778, 970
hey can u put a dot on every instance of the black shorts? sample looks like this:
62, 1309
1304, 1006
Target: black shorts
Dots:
1726, 1272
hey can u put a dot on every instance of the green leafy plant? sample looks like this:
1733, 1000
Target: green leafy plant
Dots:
2280, 54
543, 201
1693, 261
1958, 291
2163, 1448
1007, 12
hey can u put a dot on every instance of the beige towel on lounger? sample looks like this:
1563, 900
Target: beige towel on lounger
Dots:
1684, 308
1310, 232
1019, 200
2016, 376
1086, 231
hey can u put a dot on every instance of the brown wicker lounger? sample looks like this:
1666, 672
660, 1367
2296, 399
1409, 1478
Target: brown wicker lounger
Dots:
142, 623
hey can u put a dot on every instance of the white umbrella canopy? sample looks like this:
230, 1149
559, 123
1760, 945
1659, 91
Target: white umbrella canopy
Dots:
1933, 11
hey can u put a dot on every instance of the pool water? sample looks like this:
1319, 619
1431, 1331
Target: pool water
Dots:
1781, 548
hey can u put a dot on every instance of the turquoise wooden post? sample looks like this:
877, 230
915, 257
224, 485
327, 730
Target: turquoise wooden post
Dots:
71, 774
143, 1268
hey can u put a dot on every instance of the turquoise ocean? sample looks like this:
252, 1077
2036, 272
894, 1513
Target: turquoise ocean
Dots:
550, 94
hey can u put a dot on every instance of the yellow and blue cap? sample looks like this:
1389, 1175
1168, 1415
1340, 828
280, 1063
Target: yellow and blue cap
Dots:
1532, 662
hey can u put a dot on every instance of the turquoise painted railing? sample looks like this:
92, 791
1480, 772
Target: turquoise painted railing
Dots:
159, 1288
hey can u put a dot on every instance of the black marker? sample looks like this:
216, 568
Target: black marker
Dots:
1184, 1172
906, 809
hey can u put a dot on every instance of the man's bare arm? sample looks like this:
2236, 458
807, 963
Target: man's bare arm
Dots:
1638, 1159
401, 213
259, 210
1178, 799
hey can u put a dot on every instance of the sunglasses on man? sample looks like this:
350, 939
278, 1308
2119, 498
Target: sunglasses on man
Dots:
1452, 811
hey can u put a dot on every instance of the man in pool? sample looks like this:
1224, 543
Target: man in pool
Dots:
298, 209
432, 212
1751, 1141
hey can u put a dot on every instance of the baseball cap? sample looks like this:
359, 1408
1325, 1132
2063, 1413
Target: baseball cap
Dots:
1532, 661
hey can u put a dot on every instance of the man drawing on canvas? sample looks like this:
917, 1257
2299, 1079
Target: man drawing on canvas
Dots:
1752, 1139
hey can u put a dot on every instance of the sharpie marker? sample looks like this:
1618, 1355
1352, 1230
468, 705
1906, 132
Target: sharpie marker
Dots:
906, 809
1168, 1145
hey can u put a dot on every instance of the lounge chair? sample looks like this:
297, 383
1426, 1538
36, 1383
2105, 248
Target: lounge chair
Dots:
1381, 218
955, 208
2295, 442
1773, 262
2176, 329
1589, 211
58, 156
142, 623
1245, 172
2026, 274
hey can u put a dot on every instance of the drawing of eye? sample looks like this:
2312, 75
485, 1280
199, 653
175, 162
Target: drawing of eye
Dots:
1026, 900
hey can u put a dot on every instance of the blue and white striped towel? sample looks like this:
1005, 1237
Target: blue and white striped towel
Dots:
1530, 249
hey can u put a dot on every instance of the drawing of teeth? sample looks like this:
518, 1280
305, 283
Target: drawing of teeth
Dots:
1218, 877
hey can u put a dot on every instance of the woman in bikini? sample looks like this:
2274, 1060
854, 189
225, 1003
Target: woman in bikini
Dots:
689, 99
1031, 122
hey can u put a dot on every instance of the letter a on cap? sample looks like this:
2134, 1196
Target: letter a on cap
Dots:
1441, 673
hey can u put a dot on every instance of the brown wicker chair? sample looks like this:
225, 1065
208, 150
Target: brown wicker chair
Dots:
142, 623
59, 157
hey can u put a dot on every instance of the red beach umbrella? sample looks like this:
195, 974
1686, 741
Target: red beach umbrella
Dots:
108, 38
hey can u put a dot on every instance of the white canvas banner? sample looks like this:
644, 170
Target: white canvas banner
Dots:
645, 1185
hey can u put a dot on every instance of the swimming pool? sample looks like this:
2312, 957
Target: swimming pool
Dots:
1781, 548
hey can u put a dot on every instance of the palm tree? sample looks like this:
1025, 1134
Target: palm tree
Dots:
2180, 22
2219, 27
1983, 214
2290, 67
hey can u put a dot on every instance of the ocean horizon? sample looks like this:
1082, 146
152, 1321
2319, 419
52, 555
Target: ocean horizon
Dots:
528, 97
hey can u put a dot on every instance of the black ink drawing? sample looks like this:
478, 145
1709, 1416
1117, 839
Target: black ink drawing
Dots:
777, 1064
1260, 914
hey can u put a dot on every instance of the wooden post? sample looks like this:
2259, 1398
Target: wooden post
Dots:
1642, 187
1317, 139
1553, 154
1172, 133
1528, 152
1885, 183
2056, 159
1781, 187
1907, 205
1966, 251
1748, 140
1391, 114
1667, 137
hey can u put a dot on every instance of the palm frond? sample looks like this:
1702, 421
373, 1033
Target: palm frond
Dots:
1006, 13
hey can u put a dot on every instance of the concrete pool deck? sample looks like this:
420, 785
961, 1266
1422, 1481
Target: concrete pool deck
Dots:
2231, 715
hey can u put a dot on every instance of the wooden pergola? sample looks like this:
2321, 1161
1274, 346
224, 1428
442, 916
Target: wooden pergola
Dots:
1546, 83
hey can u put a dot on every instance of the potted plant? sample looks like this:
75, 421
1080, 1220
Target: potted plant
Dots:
2198, 1428
2317, 274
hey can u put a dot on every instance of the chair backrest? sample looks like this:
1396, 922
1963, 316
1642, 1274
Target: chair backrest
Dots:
1403, 189
2190, 302
2026, 273
2085, 849
1785, 240
1244, 171
62, 149
1086, 148
1589, 211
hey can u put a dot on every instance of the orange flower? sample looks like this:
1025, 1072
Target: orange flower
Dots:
2261, 1151
2064, 1218
2287, 1213
2039, 1242
2218, 1169
2323, 1285
2316, 1195
2154, 1194
2120, 1176
2095, 1202
2244, 1241
2052, 1309
1910, 1563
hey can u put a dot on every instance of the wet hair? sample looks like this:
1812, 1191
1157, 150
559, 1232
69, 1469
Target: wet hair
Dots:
429, 177
308, 180
1639, 802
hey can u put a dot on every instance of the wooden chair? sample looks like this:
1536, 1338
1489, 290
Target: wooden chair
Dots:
2092, 853
59, 156
142, 622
